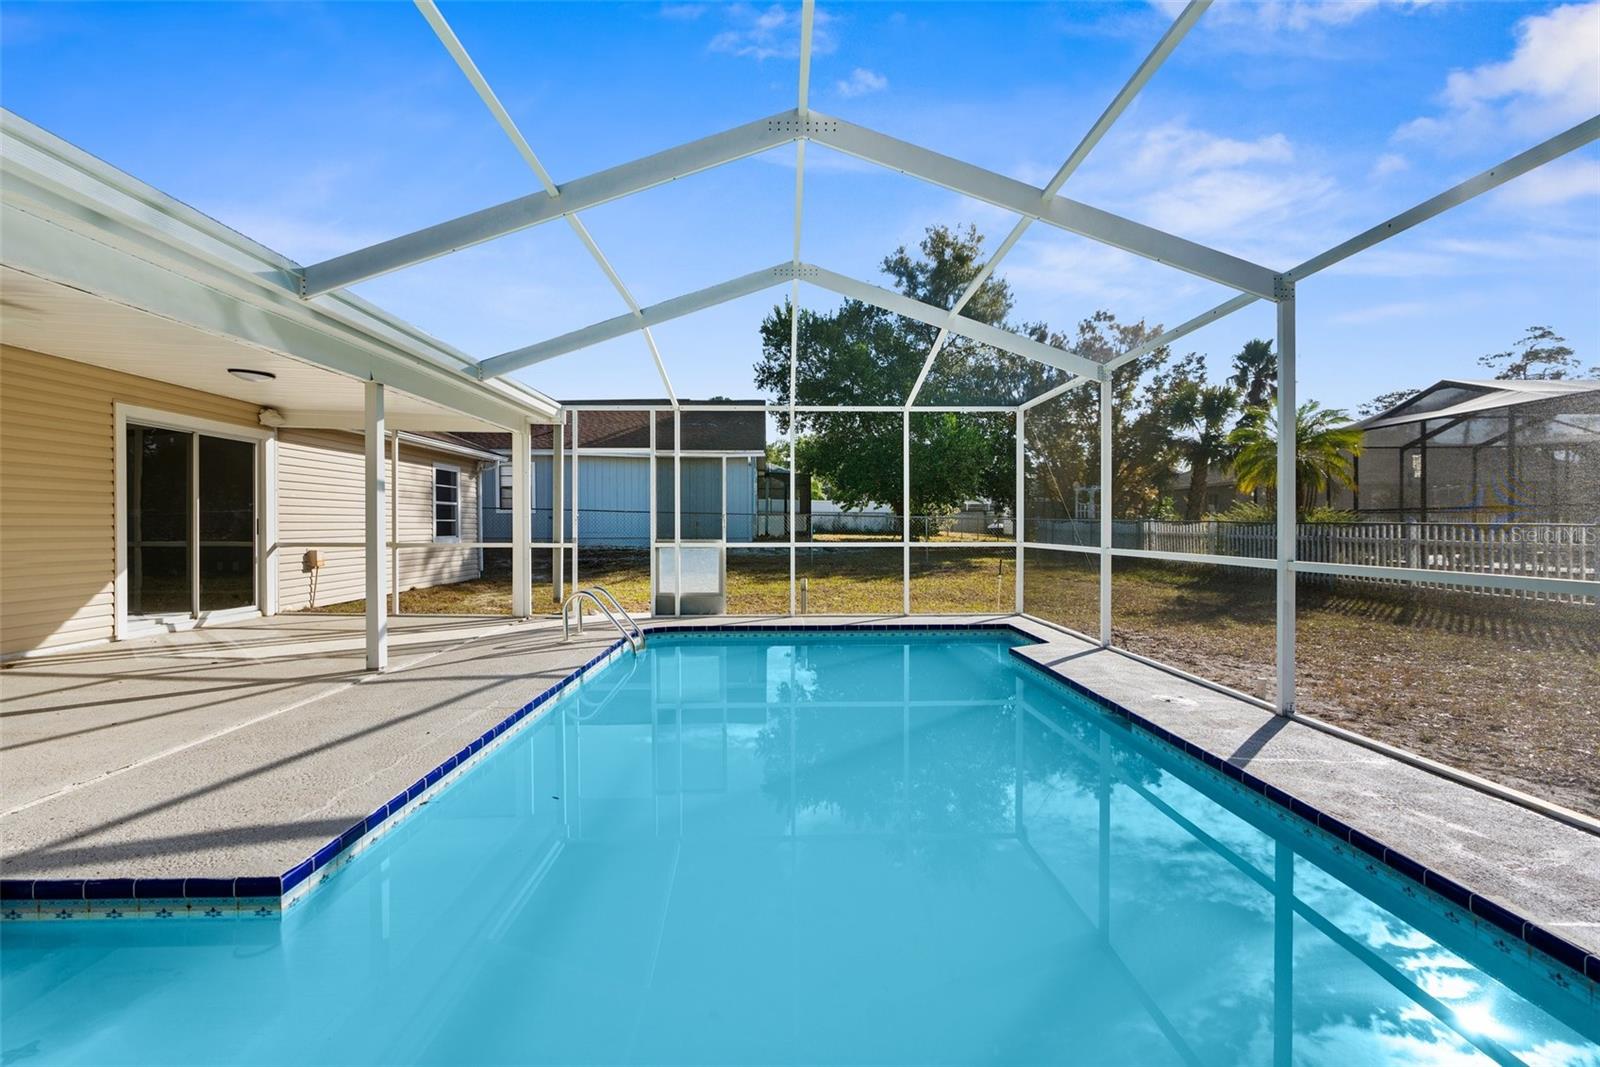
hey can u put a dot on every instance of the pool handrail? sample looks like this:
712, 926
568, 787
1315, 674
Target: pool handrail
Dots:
634, 643
603, 591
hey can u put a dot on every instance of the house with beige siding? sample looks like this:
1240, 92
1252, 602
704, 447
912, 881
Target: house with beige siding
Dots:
186, 438
436, 514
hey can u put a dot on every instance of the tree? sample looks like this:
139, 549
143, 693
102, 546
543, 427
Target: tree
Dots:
1201, 414
1255, 372
1148, 393
1541, 355
1384, 401
863, 355
1326, 444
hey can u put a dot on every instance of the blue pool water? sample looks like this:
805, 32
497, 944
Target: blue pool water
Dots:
785, 848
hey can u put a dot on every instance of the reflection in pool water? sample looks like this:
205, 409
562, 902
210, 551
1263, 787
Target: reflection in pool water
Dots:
902, 848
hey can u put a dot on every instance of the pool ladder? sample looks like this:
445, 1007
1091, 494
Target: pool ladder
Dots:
632, 633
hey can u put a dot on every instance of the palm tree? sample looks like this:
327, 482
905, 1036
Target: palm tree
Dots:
1255, 372
1326, 444
1202, 412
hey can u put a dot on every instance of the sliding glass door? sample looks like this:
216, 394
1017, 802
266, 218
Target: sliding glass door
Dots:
190, 522
160, 490
227, 502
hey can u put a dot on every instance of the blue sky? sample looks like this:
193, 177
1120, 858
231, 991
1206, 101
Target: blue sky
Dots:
1276, 130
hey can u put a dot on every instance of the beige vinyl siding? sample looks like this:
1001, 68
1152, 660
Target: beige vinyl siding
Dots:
320, 486
57, 491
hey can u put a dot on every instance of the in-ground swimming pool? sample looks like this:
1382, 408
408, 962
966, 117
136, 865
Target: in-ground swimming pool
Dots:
777, 848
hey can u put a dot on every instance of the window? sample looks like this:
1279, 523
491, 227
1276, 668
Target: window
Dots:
446, 504
503, 484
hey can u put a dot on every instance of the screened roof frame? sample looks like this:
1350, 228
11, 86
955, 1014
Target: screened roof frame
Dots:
802, 125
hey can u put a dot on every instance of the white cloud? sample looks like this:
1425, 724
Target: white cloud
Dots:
1554, 183
1293, 15
861, 82
1174, 148
1198, 184
683, 12
770, 33
1389, 163
1551, 81
1496, 256
1076, 270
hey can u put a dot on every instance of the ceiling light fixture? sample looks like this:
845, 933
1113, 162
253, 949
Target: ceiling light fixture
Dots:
248, 375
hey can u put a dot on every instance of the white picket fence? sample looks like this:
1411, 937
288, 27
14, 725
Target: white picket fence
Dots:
1548, 550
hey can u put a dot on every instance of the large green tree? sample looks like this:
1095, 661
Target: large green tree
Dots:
1063, 434
862, 355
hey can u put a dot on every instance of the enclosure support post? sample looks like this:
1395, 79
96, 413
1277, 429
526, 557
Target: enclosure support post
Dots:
1104, 505
394, 522
558, 507
794, 349
521, 521
377, 546
905, 512
577, 452
655, 516
677, 512
1017, 515
1286, 499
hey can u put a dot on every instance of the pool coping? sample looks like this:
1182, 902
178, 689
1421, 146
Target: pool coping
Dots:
271, 896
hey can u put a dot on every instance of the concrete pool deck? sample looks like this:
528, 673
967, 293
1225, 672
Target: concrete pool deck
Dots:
239, 750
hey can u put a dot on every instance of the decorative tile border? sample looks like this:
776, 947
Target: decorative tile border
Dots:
269, 897
1448, 892
264, 897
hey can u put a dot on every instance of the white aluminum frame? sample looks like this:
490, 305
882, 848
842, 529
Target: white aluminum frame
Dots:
434, 518
803, 125
452, 44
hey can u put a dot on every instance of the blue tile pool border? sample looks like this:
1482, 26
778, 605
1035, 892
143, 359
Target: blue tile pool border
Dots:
270, 896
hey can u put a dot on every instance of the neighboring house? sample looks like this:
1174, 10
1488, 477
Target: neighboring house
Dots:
1470, 450
723, 461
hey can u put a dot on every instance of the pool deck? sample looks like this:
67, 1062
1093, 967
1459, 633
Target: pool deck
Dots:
239, 750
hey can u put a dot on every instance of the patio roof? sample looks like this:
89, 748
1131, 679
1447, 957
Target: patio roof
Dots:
105, 269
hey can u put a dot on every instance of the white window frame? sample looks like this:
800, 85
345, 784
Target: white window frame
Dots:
266, 533
433, 515
502, 483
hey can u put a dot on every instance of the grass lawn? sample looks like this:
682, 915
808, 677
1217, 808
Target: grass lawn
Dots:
1498, 686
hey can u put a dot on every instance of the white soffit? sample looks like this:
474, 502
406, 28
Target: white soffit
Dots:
57, 320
